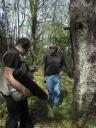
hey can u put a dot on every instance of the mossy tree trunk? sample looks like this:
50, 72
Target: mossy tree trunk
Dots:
83, 32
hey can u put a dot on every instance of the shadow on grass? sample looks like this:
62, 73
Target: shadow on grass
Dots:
64, 94
40, 111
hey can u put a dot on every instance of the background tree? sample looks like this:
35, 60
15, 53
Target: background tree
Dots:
36, 20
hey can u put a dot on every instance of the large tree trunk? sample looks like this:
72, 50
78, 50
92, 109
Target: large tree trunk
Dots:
83, 31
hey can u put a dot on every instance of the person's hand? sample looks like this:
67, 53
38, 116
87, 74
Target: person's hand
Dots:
26, 92
45, 79
8, 73
61, 73
33, 68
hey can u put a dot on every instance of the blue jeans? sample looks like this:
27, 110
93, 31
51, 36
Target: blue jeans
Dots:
54, 83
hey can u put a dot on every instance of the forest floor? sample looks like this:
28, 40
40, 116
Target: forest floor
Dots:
48, 117
45, 116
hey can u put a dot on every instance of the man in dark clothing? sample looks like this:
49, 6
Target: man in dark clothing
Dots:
53, 70
17, 108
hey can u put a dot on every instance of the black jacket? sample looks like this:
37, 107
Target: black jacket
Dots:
53, 64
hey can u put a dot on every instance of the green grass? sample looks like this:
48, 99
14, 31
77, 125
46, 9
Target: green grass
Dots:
42, 114
47, 117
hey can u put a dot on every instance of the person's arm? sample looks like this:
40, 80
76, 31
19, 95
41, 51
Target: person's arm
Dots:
45, 65
17, 85
62, 65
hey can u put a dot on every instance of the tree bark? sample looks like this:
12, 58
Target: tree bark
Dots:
83, 32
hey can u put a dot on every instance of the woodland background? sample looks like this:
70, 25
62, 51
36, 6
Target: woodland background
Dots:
72, 25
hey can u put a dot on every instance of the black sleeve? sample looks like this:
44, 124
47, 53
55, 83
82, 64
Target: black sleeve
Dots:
63, 64
10, 59
45, 65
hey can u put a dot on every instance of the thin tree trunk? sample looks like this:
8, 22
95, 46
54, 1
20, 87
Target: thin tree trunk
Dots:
33, 9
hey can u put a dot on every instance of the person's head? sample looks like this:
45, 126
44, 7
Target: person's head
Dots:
22, 45
53, 48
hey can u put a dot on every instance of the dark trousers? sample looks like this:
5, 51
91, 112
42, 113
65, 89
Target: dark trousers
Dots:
17, 111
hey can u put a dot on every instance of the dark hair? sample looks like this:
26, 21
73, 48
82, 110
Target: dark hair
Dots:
25, 42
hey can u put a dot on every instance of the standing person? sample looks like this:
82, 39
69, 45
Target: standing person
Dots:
17, 108
53, 70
